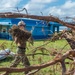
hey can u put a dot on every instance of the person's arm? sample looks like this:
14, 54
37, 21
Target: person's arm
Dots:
16, 40
30, 40
27, 34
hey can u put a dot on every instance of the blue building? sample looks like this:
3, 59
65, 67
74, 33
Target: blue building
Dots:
40, 29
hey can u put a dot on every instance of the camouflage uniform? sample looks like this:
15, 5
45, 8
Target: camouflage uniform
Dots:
21, 57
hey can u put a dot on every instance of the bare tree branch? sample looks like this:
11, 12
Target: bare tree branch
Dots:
58, 58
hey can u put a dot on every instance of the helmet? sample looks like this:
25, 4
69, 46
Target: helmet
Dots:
21, 23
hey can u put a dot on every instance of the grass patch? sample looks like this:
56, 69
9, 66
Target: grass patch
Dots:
37, 59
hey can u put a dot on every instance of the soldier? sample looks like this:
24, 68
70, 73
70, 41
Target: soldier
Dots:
21, 49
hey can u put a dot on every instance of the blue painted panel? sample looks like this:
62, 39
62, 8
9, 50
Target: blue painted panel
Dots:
29, 22
5, 21
55, 24
4, 36
40, 29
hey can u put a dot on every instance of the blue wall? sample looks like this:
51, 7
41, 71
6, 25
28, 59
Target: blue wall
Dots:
40, 29
36, 26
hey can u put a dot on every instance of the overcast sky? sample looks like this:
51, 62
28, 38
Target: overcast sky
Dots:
40, 7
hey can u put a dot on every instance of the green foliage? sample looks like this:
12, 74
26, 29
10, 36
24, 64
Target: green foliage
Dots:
41, 55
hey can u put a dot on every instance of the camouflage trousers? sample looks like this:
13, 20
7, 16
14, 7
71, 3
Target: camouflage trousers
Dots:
21, 57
